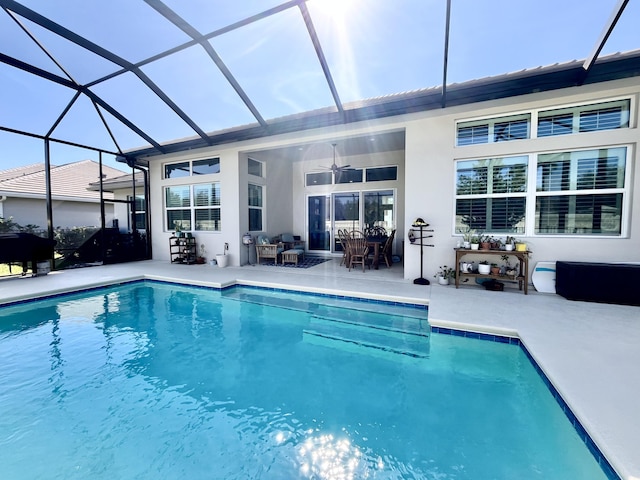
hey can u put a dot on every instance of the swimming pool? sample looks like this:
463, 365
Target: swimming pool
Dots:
151, 380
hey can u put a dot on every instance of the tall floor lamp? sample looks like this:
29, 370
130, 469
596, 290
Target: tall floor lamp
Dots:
421, 224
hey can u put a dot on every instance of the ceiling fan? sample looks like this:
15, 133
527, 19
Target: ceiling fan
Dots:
335, 168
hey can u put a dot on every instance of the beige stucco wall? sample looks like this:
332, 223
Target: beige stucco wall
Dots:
431, 153
427, 186
66, 213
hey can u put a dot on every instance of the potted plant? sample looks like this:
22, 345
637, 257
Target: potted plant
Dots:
509, 243
475, 242
495, 269
521, 246
484, 268
485, 242
178, 229
445, 275
467, 236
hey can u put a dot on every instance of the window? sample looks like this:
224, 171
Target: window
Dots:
140, 211
193, 207
584, 118
350, 175
493, 130
192, 168
324, 178
175, 170
378, 209
581, 192
353, 175
380, 174
206, 167
255, 208
491, 195
254, 167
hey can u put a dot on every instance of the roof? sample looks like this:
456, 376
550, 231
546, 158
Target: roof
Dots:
119, 183
540, 79
20, 171
115, 76
67, 181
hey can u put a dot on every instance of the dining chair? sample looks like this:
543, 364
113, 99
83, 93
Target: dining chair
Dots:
358, 249
343, 237
386, 250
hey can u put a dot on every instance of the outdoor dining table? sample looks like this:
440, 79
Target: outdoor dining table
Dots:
375, 244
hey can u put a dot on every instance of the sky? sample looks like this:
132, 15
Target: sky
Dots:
372, 47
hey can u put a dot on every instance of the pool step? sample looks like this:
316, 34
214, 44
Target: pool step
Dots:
373, 313
344, 334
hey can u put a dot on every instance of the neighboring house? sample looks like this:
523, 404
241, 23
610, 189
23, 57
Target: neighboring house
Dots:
23, 195
532, 154
123, 191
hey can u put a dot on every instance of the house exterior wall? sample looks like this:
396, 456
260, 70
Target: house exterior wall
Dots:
230, 195
427, 189
66, 213
431, 184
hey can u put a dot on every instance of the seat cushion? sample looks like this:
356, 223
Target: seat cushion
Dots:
287, 238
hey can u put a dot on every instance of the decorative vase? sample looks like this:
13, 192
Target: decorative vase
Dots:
474, 246
443, 280
484, 269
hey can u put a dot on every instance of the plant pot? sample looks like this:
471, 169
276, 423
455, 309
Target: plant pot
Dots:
485, 246
474, 246
222, 259
484, 269
443, 280
495, 270
521, 247
508, 247
466, 244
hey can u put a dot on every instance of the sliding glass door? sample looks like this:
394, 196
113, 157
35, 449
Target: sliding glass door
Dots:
319, 218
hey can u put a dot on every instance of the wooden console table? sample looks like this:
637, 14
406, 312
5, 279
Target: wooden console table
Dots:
523, 273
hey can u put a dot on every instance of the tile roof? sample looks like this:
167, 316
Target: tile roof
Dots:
69, 180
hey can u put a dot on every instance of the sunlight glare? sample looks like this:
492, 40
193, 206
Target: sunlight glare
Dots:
334, 8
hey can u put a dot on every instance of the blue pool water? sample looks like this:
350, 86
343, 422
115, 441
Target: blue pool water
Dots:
151, 381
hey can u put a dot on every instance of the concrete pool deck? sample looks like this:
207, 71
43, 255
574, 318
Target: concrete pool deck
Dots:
589, 351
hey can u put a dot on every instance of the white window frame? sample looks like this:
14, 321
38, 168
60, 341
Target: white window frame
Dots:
532, 194
192, 207
624, 190
490, 123
256, 207
190, 167
489, 195
576, 109
262, 167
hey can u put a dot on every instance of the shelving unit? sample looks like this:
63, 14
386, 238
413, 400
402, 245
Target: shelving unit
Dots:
182, 250
523, 271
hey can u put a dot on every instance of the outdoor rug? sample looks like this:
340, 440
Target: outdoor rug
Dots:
308, 262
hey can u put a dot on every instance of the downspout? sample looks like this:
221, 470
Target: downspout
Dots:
2, 199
